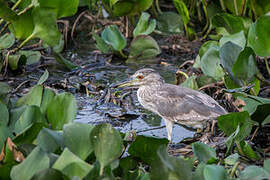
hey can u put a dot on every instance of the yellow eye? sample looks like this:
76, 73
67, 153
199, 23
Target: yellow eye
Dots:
140, 77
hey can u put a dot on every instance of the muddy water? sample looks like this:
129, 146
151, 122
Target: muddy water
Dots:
142, 121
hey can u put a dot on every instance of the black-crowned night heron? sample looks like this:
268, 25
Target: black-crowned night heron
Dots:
175, 104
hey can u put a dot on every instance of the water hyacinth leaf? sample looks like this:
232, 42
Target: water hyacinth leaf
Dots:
190, 83
198, 174
204, 152
143, 47
254, 172
61, 60
4, 88
237, 38
204, 48
60, 46
49, 140
71, 165
49, 173
32, 56
76, 139
4, 134
169, 167
143, 27
4, 114
146, 148
266, 165
45, 26
33, 97
204, 80
16, 61
121, 8
5, 12
210, 64
245, 66
259, 8
232, 159
140, 6
102, 137
48, 95
112, 36
256, 36
35, 162
252, 102
61, 110
15, 114
248, 151
213, 172
170, 22
100, 43
7, 40
44, 77
261, 113
182, 10
228, 124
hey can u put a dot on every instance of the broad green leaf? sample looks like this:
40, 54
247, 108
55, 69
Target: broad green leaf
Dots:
204, 80
231, 6
122, 8
32, 56
198, 174
5, 12
245, 66
51, 174
61, 110
170, 22
248, 151
61, 8
190, 83
71, 165
169, 167
33, 97
5, 132
44, 77
4, 114
254, 172
252, 102
6, 41
4, 88
16, 61
112, 36
48, 95
261, 113
204, 48
210, 64
143, 47
213, 172
101, 44
50, 140
61, 60
35, 162
259, 8
228, 124
257, 36
266, 165
182, 10
204, 152
146, 148
232, 159
140, 6
229, 53
76, 139
15, 114
104, 136
237, 38
143, 27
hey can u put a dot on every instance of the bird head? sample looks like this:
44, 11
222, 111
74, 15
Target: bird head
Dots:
142, 77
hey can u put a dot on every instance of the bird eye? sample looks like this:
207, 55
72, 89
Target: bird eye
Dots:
140, 77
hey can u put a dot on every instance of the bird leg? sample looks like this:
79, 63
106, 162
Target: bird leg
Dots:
169, 127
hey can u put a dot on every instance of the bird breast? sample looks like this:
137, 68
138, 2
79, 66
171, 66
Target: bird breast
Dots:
144, 95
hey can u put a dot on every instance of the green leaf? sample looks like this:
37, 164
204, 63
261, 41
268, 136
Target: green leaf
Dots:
204, 48
259, 8
213, 172
146, 148
248, 151
182, 10
49, 173
32, 56
48, 95
203, 152
33, 97
4, 134
61, 60
5, 12
228, 124
143, 47
252, 102
61, 110
266, 165
237, 38
232, 159
76, 139
44, 77
190, 83
102, 137
71, 165
16, 61
143, 27
170, 22
4, 88
198, 174
210, 64
100, 43
50, 140
4, 114
256, 36
35, 162
254, 172
112, 36
6, 41
261, 113
245, 66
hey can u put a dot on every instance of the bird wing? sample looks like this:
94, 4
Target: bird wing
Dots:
182, 104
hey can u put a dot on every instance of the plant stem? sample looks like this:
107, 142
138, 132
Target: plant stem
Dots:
206, 16
158, 7
122, 54
16, 5
154, 10
243, 7
235, 7
26, 40
239, 147
222, 5
267, 65
234, 168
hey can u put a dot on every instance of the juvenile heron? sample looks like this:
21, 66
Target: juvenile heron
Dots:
175, 104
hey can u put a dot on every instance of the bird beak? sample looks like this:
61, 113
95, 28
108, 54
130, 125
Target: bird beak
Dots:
125, 83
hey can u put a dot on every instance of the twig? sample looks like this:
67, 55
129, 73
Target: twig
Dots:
145, 130
20, 85
267, 65
185, 63
75, 24
255, 133
217, 84
234, 168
